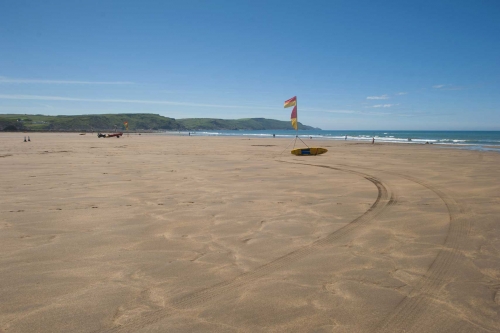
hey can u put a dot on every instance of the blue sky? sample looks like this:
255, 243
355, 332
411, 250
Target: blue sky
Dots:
400, 65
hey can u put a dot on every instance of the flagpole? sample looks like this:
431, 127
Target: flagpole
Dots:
297, 120
297, 129
297, 105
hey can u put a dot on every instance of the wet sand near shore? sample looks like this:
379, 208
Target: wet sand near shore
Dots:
155, 233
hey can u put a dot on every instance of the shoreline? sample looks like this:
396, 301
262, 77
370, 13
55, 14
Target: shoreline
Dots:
291, 134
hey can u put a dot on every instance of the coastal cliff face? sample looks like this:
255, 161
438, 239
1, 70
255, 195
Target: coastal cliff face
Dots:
136, 122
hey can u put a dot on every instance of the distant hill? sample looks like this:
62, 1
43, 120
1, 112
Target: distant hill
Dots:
104, 122
136, 122
237, 124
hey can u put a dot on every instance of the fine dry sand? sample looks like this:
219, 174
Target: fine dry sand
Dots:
163, 233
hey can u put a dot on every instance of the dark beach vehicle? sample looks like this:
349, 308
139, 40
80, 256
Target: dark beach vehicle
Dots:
117, 135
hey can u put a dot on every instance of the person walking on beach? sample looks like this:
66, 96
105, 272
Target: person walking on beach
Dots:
373, 140
345, 137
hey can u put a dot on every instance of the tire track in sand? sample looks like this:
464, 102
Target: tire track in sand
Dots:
384, 198
405, 317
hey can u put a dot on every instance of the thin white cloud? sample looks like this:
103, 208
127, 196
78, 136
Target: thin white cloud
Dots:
328, 111
4, 79
378, 97
449, 87
47, 106
383, 105
401, 93
179, 92
134, 101
369, 113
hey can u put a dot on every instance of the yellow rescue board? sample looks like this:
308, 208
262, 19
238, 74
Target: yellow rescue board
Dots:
309, 151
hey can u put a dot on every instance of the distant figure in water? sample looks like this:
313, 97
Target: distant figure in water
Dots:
189, 133
310, 137
274, 135
373, 140
345, 137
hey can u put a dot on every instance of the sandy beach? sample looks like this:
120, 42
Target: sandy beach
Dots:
164, 233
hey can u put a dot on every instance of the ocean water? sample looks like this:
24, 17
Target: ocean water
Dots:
478, 140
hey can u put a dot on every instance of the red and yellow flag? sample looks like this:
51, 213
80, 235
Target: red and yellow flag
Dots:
291, 102
294, 117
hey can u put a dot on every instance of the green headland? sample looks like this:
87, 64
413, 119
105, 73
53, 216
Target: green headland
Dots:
136, 122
